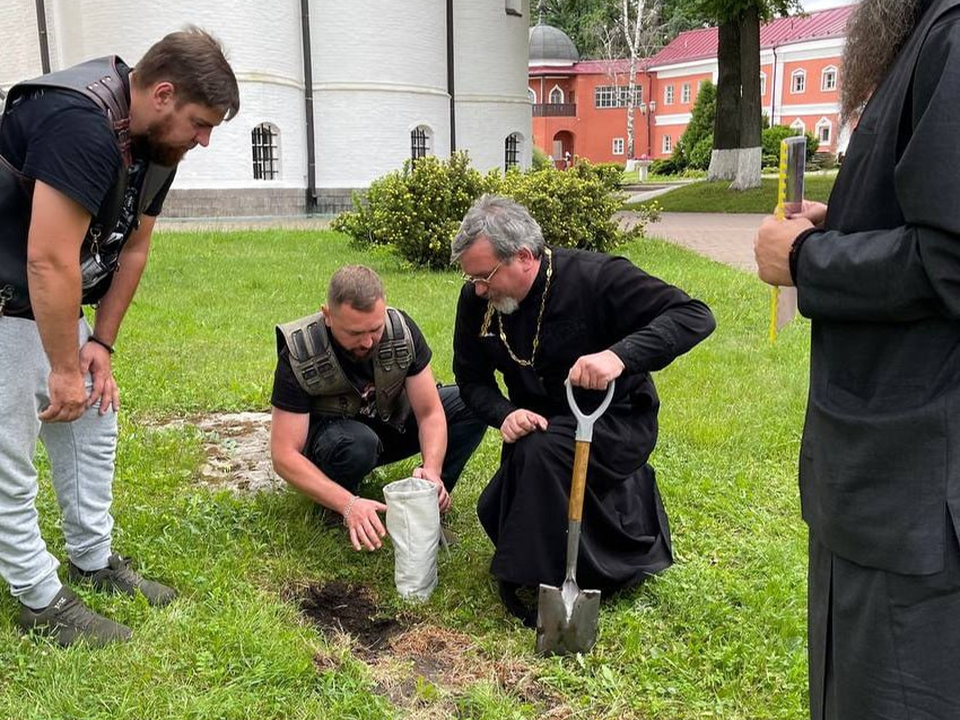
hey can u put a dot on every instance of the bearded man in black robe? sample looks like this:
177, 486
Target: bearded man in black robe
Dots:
539, 315
878, 273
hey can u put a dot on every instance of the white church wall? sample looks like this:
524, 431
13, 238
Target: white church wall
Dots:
490, 84
379, 70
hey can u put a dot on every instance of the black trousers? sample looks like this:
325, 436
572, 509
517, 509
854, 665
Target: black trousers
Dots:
346, 449
883, 646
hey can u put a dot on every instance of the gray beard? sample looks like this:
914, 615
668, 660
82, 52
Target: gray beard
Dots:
876, 32
505, 305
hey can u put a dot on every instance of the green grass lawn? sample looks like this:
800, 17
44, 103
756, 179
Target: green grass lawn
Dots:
719, 635
717, 197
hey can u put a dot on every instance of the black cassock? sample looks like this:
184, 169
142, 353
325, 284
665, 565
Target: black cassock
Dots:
594, 302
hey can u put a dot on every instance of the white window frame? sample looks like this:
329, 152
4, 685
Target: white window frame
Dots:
532, 94
801, 76
668, 94
763, 83
829, 72
685, 94
618, 146
605, 97
667, 144
798, 126
555, 89
824, 124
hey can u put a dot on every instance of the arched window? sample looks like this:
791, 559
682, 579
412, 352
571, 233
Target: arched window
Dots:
798, 82
421, 141
265, 143
798, 126
556, 95
532, 94
828, 79
511, 151
824, 131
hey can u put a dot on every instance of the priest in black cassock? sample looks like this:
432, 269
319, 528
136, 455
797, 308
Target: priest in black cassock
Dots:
877, 273
538, 315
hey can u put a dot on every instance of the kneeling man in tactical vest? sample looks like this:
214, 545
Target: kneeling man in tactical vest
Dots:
353, 390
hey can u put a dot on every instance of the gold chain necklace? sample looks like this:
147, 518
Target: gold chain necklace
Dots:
536, 336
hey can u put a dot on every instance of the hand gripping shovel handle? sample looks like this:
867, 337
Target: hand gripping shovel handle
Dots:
582, 453
567, 616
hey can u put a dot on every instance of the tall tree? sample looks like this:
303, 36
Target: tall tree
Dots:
632, 34
737, 151
582, 20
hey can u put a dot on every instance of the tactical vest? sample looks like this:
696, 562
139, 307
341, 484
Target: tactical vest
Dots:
100, 81
319, 373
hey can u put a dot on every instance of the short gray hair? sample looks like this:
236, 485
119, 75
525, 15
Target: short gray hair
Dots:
508, 226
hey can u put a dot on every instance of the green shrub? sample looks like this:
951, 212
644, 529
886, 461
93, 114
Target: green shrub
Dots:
415, 210
540, 160
702, 118
822, 161
665, 166
610, 175
771, 139
418, 210
699, 158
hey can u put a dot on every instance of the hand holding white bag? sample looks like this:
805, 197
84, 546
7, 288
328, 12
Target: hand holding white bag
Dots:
413, 522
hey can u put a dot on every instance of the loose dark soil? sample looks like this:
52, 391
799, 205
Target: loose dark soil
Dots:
339, 607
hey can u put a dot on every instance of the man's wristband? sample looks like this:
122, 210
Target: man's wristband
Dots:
794, 257
107, 346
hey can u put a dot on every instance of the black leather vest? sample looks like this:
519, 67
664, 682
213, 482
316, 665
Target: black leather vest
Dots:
319, 374
100, 81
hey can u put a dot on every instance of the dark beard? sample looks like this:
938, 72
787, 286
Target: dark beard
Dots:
876, 32
151, 147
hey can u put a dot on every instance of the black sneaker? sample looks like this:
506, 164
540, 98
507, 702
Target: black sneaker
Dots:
68, 620
118, 577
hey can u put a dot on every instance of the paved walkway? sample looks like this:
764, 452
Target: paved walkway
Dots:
727, 238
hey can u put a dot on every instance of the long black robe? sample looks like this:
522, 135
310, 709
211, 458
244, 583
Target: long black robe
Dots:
880, 457
595, 302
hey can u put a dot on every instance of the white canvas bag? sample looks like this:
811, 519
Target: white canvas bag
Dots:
413, 521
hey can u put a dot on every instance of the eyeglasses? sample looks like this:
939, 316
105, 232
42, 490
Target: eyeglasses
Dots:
473, 279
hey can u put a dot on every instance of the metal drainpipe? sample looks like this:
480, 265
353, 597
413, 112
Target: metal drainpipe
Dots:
308, 98
450, 79
42, 35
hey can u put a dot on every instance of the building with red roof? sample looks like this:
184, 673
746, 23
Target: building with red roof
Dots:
579, 106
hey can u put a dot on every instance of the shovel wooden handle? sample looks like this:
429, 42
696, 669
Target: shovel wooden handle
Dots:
578, 484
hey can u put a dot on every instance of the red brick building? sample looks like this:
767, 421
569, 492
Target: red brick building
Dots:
579, 106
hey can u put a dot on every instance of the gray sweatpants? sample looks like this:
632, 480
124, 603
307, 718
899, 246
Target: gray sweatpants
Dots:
81, 458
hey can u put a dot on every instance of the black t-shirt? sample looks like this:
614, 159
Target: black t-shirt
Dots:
64, 140
288, 395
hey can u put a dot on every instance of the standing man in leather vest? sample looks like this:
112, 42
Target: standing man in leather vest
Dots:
353, 390
87, 155
880, 456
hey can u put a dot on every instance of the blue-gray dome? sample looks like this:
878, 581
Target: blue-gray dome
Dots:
551, 46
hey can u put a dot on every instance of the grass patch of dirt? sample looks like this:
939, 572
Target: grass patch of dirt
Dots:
421, 668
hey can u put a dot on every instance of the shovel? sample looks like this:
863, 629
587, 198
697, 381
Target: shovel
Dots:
567, 615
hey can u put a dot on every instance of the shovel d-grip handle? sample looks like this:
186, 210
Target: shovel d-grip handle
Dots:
581, 455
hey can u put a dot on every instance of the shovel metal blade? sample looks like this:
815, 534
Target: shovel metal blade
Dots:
567, 619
